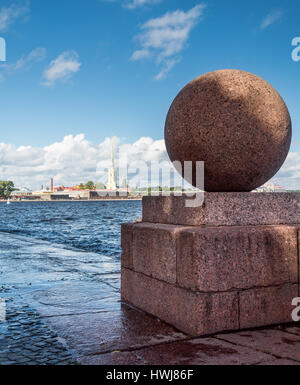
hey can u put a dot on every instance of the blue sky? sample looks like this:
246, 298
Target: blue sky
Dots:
107, 68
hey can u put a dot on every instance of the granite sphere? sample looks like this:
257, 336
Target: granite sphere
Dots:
236, 123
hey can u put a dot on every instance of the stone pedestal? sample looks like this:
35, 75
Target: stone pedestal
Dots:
231, 264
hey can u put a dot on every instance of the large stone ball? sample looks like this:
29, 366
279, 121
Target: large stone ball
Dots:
236, 123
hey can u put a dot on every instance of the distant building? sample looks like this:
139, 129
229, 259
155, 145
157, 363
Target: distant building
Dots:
270, 187
43, 194
280, 189
100, 186
71, 193
60, 197
22, 191
108, 194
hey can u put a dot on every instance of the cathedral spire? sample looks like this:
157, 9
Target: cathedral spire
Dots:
112, 174
112, 154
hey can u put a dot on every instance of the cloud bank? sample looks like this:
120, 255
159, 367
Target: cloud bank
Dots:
75, 159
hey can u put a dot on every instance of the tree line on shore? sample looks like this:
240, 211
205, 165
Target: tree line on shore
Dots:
6, 189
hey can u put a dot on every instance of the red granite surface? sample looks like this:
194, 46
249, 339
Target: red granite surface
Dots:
236, 123
225, 209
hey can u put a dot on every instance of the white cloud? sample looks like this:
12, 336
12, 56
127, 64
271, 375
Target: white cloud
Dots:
75, 159
8, 15
62, 68
163, 38
24, 63
71, 161
289, 174
133, 4
169, 64
271, 18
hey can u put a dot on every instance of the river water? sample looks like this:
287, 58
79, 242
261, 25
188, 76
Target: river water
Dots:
88, 226
60, 283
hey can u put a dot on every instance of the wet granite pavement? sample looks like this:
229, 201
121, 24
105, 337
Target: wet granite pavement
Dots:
63, 307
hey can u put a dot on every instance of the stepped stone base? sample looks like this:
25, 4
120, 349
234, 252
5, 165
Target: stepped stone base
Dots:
204, 279
225, 209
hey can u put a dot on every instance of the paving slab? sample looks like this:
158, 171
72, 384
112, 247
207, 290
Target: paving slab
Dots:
116, 358
294, 329
280, 362
202, 351
67, 298
275, 342
121, 328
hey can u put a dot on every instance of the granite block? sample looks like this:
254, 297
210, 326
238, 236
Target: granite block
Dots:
154, 250
126, 244
267, 306
193, 313
226, 258
225, 209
